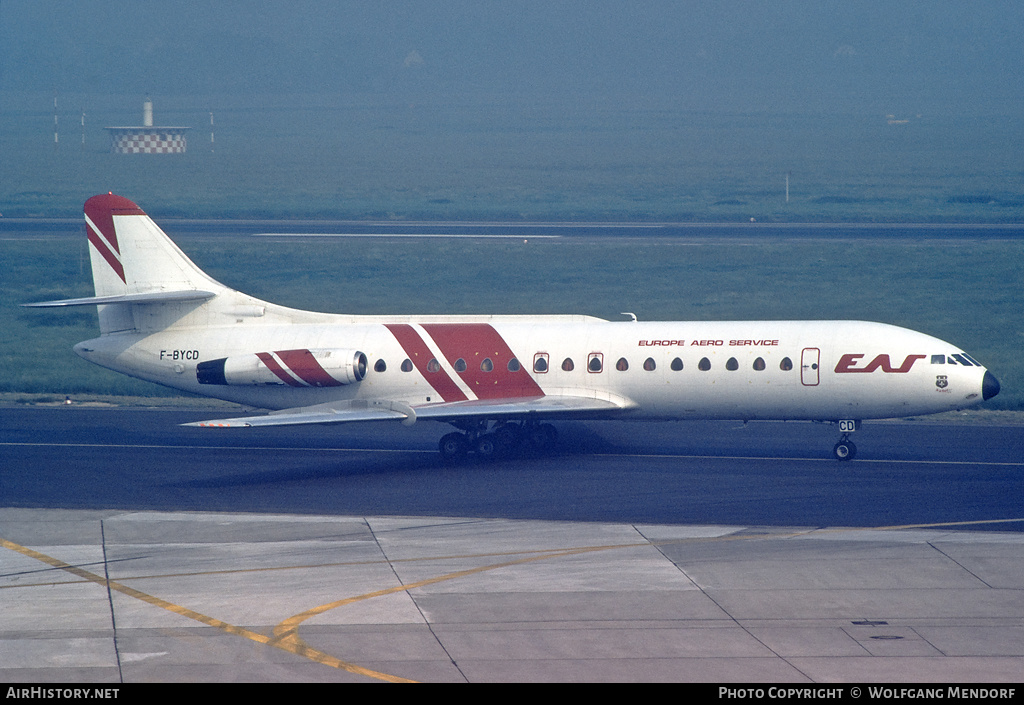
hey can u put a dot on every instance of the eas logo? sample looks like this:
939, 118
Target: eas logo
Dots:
848, 363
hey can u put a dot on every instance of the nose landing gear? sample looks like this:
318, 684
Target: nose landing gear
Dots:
845, 449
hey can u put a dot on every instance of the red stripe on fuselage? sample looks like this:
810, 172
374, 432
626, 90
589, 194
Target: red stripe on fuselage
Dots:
305, 366
420, 355
474, 343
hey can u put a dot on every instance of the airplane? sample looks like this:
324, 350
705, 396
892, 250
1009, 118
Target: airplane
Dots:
499, 380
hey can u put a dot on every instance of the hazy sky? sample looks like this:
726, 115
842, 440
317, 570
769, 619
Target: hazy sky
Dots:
779, 55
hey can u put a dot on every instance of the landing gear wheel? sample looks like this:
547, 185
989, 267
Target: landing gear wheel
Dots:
487, 446
507, 438
454, 447
844, 450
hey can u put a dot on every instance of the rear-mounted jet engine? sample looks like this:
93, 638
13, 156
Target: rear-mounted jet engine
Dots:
296, 368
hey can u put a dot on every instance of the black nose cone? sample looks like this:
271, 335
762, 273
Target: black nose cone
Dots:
989, 385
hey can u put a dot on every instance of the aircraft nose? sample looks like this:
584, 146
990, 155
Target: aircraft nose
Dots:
989, 386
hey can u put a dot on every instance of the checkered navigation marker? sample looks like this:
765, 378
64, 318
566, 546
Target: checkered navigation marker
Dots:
149, 143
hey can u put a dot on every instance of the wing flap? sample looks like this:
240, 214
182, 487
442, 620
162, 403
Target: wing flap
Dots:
343, 412
552, 405
366, 410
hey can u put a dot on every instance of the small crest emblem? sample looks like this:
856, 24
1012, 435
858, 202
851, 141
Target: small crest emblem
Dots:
941, 382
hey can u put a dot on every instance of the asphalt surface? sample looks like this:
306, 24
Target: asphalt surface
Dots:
133, 550
778, 474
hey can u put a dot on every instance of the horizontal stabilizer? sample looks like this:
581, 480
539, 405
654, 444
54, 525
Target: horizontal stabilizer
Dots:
364, 410
152, 297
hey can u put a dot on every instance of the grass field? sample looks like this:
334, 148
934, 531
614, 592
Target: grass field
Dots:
967, 291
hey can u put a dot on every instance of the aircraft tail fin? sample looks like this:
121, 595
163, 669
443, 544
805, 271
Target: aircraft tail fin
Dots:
133, 261
130, 254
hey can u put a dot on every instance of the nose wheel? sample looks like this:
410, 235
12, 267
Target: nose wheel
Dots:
844, 449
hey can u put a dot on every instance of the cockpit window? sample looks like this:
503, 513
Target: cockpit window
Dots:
962, 360
938, 359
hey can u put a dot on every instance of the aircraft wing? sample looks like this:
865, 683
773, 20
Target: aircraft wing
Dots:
378, 410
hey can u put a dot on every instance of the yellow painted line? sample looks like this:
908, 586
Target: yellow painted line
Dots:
315, 566
286, 636
292, 647
288, 630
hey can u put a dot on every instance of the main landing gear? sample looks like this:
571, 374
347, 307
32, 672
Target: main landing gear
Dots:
503, 439
845, 449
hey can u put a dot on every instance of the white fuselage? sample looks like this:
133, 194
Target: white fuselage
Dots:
817, 370
164, 320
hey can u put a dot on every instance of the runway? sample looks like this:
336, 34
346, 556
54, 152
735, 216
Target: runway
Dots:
135, 550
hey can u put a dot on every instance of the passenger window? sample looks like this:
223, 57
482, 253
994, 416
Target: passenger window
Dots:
433, 365
595, 362
460, 365
759, 364
786, 365
540, 362
732, 364
677, 365
649, 365
406, 365
486, 365
513, 365
567, 365
622, 365
704, 365
380, 366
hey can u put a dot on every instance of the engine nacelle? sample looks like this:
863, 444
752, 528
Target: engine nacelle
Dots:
295, 368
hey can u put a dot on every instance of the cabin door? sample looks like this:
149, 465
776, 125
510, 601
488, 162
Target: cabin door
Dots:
809, 362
